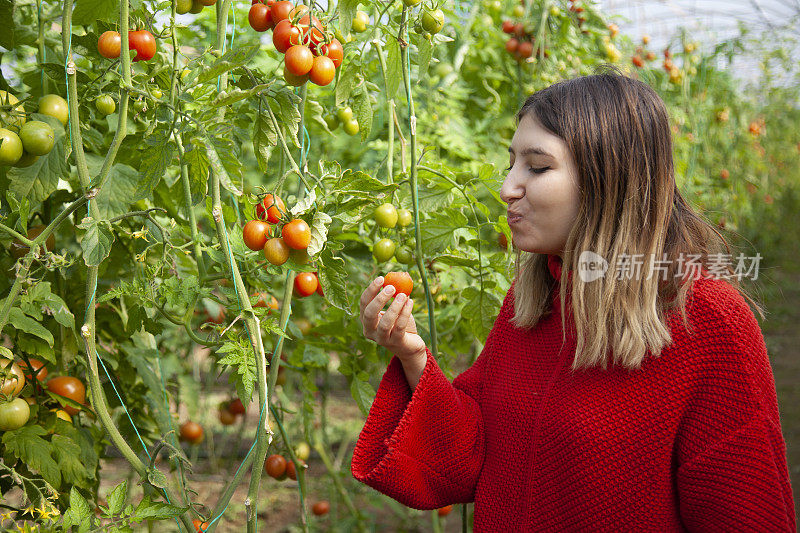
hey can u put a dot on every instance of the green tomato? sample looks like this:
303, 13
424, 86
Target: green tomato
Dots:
26, 160
37, 137
105, 104
554, 11
10, 147
183, 6
11, 114
383, 250
360, 22
197, 7
494, 6
344, 114
138, 106
14, 414
403, 255
433, 21
404, 217
386, 216
54, 106
518, 11
332, 121
156, 92
411, 3
351, 127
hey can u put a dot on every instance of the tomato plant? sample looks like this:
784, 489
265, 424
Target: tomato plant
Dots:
322, 70
360, 22
226, 418
13, 379
299, 60
272, 207
276, 251
236, 407
259, 17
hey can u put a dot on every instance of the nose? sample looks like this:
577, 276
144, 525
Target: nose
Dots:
511, 189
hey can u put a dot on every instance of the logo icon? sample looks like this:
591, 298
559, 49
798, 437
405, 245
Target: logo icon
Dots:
591, 266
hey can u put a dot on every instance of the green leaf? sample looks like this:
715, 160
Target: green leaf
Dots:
91, 11
319, 232
394, 72
156, 478
348, 80
155, 158
7, 29
78, 511
40, 300
236, 95
362, 108
233, 58
218, 149
156, 510
38, 181
97, 241
347, 9
118, 192
241, 357
424, 54
197, 161
27, 444
287, 113
264, 138
362, 393
480, 310
333, 277
437, 232
68, 454
25, 323
116, 499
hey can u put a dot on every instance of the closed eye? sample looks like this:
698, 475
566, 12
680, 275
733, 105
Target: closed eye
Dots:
539, 170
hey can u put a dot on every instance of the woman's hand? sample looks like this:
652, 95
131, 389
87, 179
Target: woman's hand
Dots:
394, 329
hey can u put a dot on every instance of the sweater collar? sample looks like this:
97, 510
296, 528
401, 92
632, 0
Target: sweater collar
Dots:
554, 264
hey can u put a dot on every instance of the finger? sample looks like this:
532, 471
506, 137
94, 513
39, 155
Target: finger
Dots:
387, 322
377, 303
370, 292
401, 323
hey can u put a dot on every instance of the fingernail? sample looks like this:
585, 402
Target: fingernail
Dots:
389, 290
379, 280
400, 297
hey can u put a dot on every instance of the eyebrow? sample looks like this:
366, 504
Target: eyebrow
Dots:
533, 150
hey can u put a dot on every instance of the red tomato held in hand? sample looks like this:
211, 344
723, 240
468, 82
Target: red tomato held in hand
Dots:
401, 281
305, 284
299, 60
285, 35
322, 71
296, 234
109, 44
144, 43
255, 234
272, 208
259, 17
69, 387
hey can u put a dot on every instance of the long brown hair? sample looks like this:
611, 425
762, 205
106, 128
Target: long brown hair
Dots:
617, 130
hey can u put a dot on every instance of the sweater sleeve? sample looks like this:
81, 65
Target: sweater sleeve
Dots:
425, 449
732, 471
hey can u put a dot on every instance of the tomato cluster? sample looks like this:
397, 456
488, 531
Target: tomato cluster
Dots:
311, 52
387, 216
343, 116
15, 412
277, 467
520, 46
228, 411
23, 141
142, 41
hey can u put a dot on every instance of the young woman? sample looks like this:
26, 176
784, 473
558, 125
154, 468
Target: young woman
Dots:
626, 402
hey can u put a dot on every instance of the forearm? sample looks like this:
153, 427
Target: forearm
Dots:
413, 368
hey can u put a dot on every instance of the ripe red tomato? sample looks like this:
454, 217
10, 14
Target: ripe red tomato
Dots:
724, 173
275, 465
280, 11
336, 52
401, 281
144, 43
296, 234
519, 29
312, 26
236, 407
276, 251
191, 432
322, 71
321, 508
319, 286
525, 50
305, 283
199, 525
299, 60
259, 17
109, 44
255, 234
266, 300
508, 26
35, 366
69, 387
272, 208
291, 472
446, 510
226, 418
285, 35
637, 61
512, 45
11, 377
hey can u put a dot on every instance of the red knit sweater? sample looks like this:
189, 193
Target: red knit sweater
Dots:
690, 442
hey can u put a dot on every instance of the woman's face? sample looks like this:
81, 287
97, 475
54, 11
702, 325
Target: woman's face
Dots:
541, 189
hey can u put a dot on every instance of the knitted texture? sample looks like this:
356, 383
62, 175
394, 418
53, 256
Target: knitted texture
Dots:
691, 441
